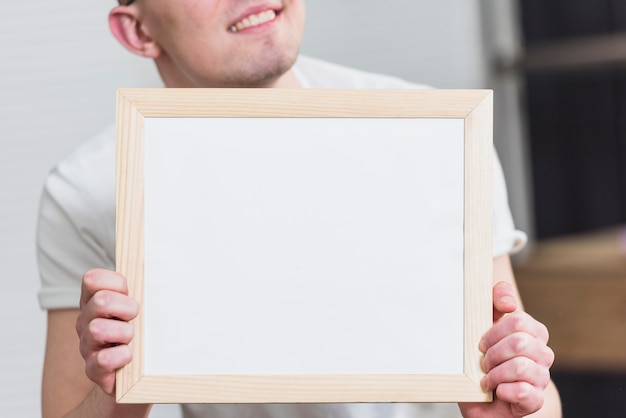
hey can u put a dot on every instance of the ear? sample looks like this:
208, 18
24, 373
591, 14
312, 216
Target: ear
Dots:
126, 26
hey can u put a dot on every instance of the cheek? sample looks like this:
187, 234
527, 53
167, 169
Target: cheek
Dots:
185, 20
191, 38
298, 14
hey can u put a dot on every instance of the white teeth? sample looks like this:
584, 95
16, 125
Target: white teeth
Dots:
253, 20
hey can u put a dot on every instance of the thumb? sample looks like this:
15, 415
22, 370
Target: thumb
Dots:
504, 300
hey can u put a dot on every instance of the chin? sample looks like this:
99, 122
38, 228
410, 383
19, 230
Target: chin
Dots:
264, 69
263, 74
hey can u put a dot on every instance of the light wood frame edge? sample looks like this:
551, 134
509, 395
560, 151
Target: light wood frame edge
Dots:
478, 264
474, 106
304, 389
129, 243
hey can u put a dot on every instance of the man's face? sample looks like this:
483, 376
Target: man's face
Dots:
225, 43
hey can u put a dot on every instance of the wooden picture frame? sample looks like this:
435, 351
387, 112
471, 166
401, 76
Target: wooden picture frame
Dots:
472, 109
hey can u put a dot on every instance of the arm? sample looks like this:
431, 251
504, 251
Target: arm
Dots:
80, 359
517, 359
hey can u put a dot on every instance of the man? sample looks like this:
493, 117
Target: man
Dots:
226, 43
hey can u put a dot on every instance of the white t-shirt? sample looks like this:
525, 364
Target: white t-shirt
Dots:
76, 232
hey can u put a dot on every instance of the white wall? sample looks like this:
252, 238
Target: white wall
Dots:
431, 42
58, 72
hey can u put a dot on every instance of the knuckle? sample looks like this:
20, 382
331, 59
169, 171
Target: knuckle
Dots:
105, 331
95, 330
103, 360
101, 300
524, 393
512, 322
544, 380
98, 279
528, 406
518, 321
110, 359
520, 342
522, 366
549, 356
90, 278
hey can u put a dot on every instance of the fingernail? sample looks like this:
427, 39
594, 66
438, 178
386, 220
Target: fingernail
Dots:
482, 346
482, 364
483, 383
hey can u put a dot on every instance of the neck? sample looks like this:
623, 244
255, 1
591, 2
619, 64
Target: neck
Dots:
286, 81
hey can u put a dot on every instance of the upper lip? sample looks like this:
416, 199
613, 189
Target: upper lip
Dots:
252, 10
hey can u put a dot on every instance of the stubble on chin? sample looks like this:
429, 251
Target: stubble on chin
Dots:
264, 70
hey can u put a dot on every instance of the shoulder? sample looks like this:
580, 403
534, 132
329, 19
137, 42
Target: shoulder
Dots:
88, 172
79, 193
315, 73
76, 223
91, 155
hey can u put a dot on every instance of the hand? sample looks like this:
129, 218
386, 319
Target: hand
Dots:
516, 359
102, 326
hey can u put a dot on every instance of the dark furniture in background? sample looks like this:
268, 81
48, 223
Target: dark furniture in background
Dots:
574, 279
577, 113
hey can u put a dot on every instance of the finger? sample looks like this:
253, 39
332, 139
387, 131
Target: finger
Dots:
110, 304
98, 279
519, 344
519, 369
513, 323
100, 367
104, 333
106, 304
504, 299
523, 397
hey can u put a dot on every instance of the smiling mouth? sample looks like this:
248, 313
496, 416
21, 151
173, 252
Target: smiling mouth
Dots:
253, 20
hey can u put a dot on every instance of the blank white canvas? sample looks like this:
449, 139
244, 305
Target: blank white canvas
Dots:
303, 246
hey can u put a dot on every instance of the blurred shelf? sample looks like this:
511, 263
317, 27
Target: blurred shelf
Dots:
576, 285
568, 54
